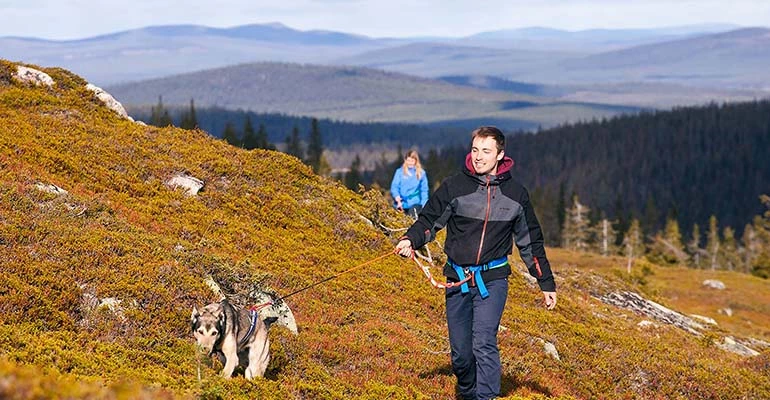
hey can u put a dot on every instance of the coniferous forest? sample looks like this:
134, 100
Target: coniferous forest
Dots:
702, 168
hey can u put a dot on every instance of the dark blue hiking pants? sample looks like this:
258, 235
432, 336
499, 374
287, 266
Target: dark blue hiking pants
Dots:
473, 324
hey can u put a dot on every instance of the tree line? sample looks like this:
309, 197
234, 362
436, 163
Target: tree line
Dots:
709, 248
651, 172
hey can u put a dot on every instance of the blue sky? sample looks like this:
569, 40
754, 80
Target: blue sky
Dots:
73, 19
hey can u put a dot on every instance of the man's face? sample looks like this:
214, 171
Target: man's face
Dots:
485, 156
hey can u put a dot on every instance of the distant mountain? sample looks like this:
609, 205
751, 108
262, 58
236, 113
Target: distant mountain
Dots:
355, 94
736, 59
166, 50
593, 40
495, 83
687, 65
434, 59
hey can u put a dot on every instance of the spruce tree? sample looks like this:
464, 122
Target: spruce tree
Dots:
606, 237
751, 248
561, 214
189, 119
262, 142
230, 135
353, 177
729, 249
249, 137
315, 146
633, 243
713, 243
576, 228
693, 247
160, 115
293, 144
667, 247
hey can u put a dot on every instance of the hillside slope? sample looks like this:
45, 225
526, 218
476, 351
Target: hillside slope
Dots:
99, 280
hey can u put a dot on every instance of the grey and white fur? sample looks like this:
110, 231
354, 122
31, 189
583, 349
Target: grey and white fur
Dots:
223, 331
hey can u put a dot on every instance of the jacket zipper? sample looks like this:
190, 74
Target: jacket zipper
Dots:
486, 219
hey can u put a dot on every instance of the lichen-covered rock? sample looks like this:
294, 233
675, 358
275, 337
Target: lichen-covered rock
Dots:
109, 101
192, 185
33, 76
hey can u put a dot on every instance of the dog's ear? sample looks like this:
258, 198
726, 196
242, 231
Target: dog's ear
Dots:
222, 321
194, 318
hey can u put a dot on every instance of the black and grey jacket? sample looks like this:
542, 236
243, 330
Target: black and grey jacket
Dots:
483, 214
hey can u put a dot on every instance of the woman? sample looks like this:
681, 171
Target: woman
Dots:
409, 187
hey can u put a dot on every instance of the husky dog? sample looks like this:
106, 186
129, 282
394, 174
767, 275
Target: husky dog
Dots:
235, 335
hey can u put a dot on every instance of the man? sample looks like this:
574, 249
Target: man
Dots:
484, 210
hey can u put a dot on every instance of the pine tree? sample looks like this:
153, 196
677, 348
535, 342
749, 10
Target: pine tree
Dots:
315, 146
576, 228
633, 243
293, 144
353, 177
249, 137
189, 119
230, 135
713, 243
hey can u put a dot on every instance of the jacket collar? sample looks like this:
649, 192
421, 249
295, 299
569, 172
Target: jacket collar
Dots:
503, 170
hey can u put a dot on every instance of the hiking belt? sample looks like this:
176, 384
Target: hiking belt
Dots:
414, 194
476, 270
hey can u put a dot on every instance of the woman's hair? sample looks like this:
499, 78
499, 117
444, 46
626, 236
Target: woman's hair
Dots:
490, 131
417, 166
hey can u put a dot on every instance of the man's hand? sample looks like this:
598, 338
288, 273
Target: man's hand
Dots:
550, 300
404, 248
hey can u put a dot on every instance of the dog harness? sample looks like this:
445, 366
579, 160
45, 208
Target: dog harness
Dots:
253, 315
474, 271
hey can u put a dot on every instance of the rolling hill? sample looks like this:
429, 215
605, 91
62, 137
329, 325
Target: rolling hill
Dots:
103, 259
357, 95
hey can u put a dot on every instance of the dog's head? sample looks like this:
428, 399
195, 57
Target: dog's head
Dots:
208, 326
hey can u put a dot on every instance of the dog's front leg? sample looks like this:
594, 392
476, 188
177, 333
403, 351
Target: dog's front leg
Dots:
230, 350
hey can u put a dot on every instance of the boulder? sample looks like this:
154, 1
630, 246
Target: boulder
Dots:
109, 101
714, 284
192, 185
33, 76
731, 345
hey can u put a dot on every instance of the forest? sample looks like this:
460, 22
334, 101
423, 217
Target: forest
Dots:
701, 168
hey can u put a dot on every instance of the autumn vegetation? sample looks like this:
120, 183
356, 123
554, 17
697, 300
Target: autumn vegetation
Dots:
100, 273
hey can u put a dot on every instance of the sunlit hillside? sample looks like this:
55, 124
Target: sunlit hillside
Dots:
103, 258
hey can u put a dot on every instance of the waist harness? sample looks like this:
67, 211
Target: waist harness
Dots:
463, 270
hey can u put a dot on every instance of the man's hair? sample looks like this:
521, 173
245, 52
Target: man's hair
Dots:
490, 131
